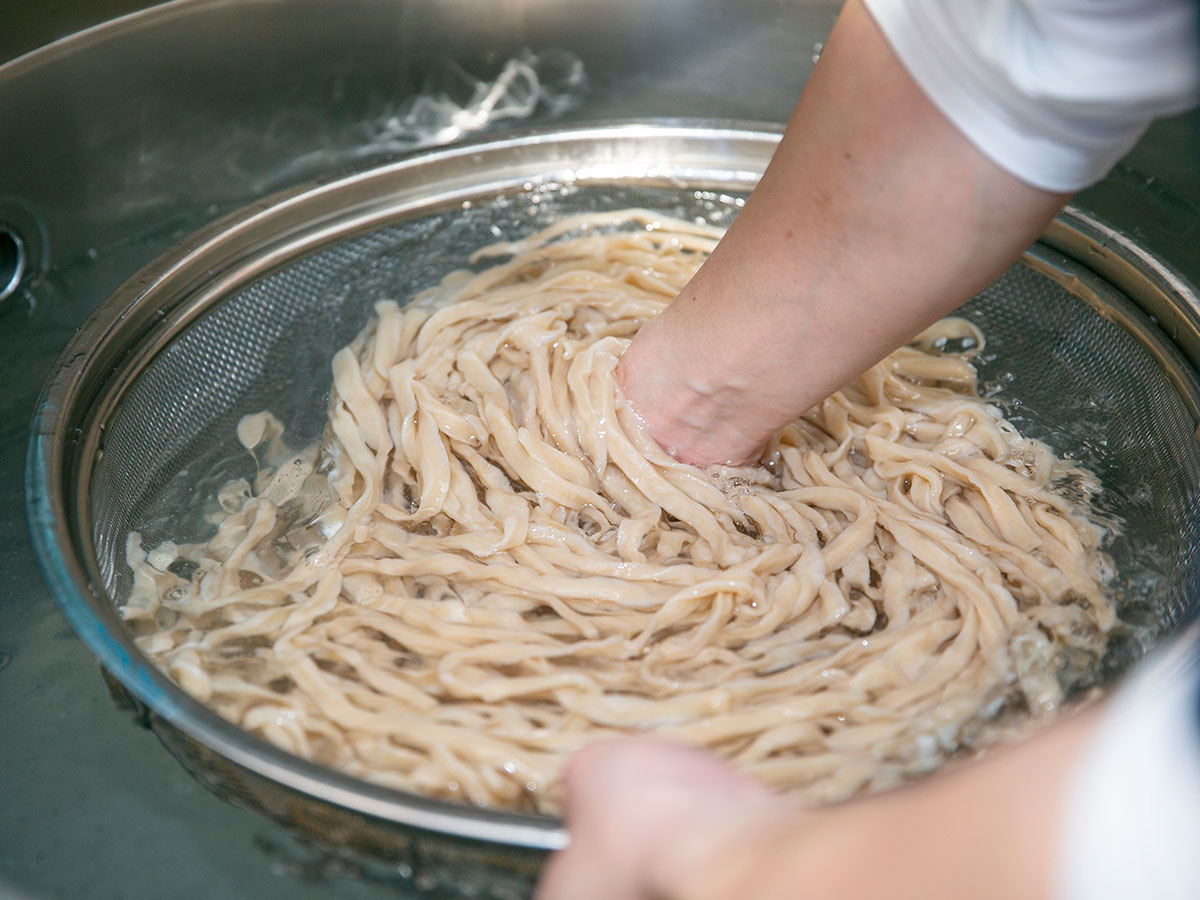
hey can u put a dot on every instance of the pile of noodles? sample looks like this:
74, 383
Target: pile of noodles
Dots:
504, 568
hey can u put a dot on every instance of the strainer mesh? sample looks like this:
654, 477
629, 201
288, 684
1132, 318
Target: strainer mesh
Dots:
1063, 372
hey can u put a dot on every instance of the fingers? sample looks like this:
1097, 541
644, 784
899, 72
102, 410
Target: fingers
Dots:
647, 820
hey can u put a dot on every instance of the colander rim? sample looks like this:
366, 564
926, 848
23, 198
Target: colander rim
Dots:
56, 501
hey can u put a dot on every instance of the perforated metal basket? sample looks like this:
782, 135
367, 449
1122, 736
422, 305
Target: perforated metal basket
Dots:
1093, 347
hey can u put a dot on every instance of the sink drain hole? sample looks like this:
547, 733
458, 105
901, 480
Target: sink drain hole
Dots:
12, 262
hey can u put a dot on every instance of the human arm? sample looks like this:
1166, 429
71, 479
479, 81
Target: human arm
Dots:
1104, 804
875, 218
648, 820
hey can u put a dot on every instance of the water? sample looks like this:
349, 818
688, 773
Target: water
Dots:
1081, 385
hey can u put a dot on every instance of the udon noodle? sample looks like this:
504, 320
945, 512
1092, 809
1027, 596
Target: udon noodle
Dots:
505, 568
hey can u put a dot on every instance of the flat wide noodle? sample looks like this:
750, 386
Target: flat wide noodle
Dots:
509, 569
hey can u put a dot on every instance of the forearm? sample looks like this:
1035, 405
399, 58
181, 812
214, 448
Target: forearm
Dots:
989, 830
875, 218
651, 820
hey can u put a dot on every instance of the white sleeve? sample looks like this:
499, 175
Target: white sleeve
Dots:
1131, 824
1052, 91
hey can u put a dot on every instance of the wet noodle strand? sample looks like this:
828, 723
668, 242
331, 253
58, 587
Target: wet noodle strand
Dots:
505, 568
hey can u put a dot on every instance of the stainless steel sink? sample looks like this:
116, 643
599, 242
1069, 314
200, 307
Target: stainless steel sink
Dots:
119, 140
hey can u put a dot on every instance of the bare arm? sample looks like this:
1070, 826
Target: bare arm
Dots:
875, 218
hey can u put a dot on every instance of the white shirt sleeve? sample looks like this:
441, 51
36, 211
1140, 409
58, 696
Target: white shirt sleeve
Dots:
1052, 91
1131, 824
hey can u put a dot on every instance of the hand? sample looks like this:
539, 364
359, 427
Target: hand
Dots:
653, 821
698, 417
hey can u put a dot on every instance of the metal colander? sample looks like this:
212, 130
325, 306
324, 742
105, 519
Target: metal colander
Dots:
136, 429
